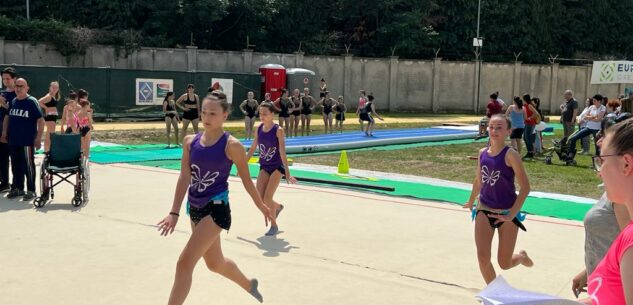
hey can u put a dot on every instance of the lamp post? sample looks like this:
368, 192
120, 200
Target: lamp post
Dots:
478, 43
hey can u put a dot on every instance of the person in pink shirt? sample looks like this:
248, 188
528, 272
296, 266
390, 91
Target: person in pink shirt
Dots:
612, 280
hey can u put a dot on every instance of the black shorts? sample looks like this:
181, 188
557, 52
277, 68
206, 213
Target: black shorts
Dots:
51, 118
517, 133
492, 220
340, 116
271, 170
191, 114
170, 115
366, 117
284, 115
68, 130
219, 210
306, 111
296, 113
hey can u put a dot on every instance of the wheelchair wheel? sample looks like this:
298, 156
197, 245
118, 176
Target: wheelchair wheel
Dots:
39, 202
548, 160
44, 183
77, 201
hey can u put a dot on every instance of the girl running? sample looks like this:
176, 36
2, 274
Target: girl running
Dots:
207, 158
499, 205
285, 108
270, 141
327, 104
83, 117
366, 115
295, 116
171, 117
517, 116
189, 102
340, 113
249, 109
48, 103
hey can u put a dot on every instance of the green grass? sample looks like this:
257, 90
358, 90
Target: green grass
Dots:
450, 162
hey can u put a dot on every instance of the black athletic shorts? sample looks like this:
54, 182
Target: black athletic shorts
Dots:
219, 210
517, 133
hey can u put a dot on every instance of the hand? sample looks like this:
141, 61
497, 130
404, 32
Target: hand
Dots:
3, 138
501, 218
167, 225
579, 283
37, 144
468, 205
381, 119
291, 179
244, 112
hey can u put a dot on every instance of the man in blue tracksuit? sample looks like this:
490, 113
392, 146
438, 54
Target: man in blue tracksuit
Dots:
22, 129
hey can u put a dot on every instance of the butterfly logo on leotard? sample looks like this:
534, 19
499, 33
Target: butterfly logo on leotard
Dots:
266, 154
593, 287
488, 176
201, 183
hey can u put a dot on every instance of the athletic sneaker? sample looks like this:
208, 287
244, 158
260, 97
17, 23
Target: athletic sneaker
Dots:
5, 187
14, 193
528, 156
28, 196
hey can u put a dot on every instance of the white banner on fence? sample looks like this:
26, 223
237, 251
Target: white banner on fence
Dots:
226, 86
612, 72
151, 91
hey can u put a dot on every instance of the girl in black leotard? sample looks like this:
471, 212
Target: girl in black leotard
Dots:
295, 116
285, 108
171, 117
307, 105
48, 103
327, 104
249, 108
189, 102
340, 113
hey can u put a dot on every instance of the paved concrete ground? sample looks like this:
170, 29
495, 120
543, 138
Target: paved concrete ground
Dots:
336, 247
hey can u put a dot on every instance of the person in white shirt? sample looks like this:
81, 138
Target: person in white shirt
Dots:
593, 119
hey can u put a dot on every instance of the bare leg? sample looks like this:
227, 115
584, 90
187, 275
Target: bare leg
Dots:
303, 124
329, 122
205, 234
185, 124
308, 119
174, 122
291, 125
216, 262
483, 239
194, 123
507, 240
296, 124
168, 129
325, 124
50, 128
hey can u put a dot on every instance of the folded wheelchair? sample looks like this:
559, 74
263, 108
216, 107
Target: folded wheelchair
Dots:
65, 161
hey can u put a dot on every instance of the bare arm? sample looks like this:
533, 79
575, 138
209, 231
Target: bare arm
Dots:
281, 137
235, 152
40, 131
251, 150
373, 111
573, 117
47, 98
180, 101
167, 225
62, 121
5, 129
514, 160
242, 106
165, 106
474, 193
509, 110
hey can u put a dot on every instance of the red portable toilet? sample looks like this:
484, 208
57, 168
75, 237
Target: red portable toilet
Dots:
273, 80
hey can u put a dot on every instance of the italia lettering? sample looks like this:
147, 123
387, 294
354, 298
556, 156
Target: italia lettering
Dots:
19, 112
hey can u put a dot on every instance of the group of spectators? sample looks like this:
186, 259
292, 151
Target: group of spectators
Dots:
23, 120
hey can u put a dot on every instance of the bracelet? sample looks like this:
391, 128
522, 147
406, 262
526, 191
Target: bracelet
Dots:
174, 213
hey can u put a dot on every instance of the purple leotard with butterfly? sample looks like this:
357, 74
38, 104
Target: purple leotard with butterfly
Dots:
210, 169
497, 181
269, 158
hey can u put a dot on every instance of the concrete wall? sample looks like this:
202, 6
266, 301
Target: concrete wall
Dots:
397, 84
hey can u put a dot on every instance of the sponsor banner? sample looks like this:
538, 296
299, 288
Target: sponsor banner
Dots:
152, 91
612, 72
